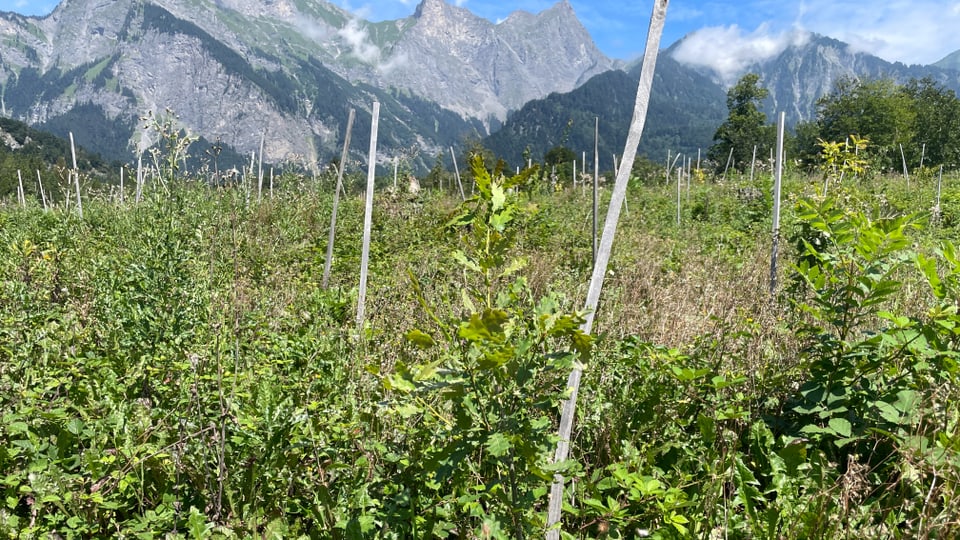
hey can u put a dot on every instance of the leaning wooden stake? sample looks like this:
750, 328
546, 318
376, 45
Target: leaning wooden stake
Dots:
603, 256
456, 169
336, 199
368, 213
729, 160
43, 196
906, 173
76, 175
777, 181
21, 194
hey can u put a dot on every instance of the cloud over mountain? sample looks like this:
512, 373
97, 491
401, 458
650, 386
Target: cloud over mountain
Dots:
728, 50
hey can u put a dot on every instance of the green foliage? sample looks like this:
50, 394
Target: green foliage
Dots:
840, 159
877, 110
173, 369
745, 128
478, 392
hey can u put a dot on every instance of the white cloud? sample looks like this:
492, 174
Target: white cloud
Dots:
913, 32
730, 52
358, 40
311, 28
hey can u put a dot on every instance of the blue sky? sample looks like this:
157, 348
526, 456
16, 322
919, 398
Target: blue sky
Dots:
731, 31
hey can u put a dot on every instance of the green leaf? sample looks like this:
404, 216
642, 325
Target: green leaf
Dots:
515, 266
498, 444
749, 495
466, 262
841, 427
467, 302
420, 339
498, 197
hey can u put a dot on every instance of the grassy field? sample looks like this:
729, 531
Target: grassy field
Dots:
174, 369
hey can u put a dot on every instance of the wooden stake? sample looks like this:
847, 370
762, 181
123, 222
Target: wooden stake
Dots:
139, 177
76, 175
569, 405
368, 213
456, 169
776, 204
679, 191
729, 159
21, 195
43, 196
263, 137
596, 185
906, 173
336, 198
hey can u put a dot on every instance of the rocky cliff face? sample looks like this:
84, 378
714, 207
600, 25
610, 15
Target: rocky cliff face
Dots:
481, 69
289, 69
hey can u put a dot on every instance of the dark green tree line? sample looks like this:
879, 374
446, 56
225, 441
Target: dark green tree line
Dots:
921, 116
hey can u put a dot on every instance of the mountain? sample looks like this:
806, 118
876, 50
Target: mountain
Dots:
483, 70
688, 101
283, 70
808, 67
951, 61
685, 109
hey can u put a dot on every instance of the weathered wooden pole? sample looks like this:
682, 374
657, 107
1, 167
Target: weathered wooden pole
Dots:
139, 177
906, 173
368, 213
679, 192
456, 169
777, 181
263, 137
21, 194
729, 160
76, 175
43, 196
337, 188
569, 405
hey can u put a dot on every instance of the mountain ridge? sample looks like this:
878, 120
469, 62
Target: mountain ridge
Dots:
236, 69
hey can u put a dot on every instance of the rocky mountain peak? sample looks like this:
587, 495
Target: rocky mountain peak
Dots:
437, 10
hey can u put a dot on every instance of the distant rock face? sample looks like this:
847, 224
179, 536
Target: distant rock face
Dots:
807, 69
233, 69
481, 69
951, 61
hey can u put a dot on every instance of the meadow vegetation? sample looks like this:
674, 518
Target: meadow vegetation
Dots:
173, 368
